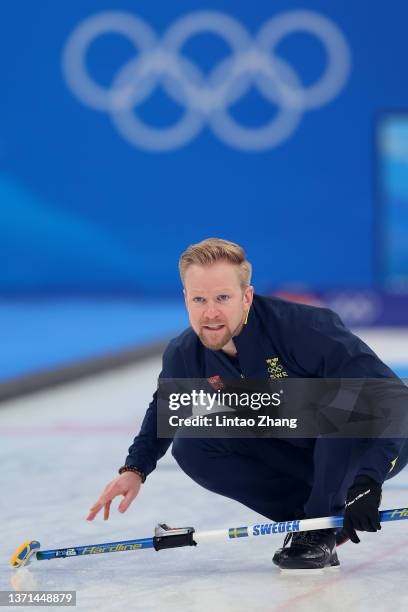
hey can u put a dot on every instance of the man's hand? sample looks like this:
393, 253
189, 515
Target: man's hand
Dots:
127, 484
361, 513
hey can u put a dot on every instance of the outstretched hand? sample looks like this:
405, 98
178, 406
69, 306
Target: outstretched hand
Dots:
127, 484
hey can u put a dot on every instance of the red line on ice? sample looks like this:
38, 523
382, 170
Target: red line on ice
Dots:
68, 427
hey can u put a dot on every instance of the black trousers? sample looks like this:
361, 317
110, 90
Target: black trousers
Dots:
274, 477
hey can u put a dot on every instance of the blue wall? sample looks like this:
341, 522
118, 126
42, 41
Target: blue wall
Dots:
84, 208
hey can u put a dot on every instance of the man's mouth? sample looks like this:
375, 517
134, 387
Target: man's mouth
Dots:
214, 327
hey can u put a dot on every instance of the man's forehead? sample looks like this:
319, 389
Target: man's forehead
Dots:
218, 278
222, 273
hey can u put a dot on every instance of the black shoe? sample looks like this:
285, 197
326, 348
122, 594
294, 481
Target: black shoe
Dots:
308, 550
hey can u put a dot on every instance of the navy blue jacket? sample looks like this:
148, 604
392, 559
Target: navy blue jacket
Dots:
308, 341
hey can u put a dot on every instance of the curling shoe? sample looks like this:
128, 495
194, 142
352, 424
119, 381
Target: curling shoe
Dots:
308, 550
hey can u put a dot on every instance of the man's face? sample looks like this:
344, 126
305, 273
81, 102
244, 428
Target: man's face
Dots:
216, 303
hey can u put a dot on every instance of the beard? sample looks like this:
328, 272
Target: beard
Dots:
218, 343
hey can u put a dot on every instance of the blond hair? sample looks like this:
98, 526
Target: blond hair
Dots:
211, 250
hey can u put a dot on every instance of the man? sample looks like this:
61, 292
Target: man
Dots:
236, 334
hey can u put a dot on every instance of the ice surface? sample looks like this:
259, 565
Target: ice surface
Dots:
59, 448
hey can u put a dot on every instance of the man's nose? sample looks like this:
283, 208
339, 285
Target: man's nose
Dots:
211, 310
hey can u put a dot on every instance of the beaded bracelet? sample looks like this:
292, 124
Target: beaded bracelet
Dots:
135, 470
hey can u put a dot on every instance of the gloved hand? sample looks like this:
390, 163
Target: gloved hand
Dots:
361, 512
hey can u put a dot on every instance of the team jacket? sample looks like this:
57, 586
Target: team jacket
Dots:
308, 341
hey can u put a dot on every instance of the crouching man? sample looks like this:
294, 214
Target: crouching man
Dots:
235, 334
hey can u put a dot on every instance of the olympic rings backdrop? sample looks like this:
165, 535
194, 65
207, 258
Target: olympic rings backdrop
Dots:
130, 130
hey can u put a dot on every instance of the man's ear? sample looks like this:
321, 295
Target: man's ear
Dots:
248, 296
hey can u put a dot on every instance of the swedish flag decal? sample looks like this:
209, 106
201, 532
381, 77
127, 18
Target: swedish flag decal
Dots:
238, 532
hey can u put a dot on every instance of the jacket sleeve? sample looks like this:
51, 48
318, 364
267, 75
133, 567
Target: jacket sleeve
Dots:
147, 448
329, 350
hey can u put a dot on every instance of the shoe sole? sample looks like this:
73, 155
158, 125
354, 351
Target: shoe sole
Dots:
307, 572
335, 565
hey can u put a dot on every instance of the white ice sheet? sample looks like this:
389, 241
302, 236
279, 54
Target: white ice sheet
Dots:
59, 448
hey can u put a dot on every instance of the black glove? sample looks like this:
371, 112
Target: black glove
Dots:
361, 512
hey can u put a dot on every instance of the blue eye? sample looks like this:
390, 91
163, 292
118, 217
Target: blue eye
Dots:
198, 300
223, 298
